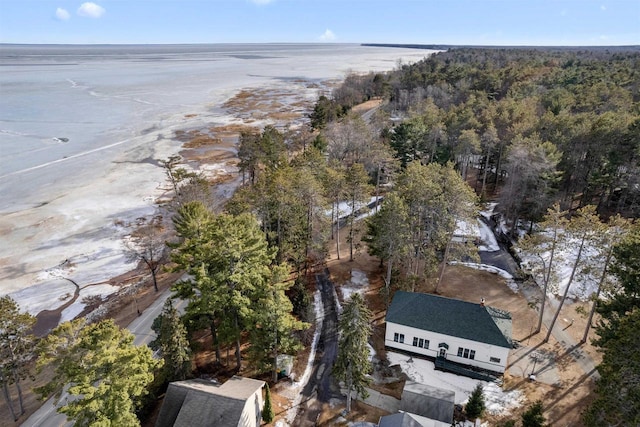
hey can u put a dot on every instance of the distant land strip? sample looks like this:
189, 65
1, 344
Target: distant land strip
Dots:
633, 48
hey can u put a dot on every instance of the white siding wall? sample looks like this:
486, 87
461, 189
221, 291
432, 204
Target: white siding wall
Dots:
252, 413
483, 352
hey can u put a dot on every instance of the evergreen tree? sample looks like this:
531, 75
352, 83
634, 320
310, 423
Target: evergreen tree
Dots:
357, 191
625, 297
475, 406
105, 372
584, 227
172, 342
533, 416
273, 327
16, 350
352, 361
228, 260
618, 388
550, 240
388, 236
267, 409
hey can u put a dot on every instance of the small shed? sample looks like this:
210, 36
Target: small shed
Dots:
284, 364
428, 401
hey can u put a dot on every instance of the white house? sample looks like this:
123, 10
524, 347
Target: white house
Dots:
201, 403
437, 327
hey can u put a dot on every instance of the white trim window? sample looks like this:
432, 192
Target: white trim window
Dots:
420, 342
466, 353
398, 338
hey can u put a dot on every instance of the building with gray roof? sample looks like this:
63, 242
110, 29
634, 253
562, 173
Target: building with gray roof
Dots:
202, 403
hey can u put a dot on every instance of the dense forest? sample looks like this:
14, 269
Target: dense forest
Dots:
539, 125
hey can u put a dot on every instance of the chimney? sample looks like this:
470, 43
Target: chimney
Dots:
482, 302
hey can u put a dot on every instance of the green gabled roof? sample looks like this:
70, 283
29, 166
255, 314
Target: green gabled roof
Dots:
451, 317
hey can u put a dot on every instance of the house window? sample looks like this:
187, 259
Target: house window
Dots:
494, 359
398, 337
420, 342
466, 353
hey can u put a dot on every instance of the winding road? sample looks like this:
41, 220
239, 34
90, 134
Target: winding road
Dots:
320, 388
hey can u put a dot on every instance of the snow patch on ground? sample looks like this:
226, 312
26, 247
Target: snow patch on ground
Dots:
488, 210
76, 308
423, 371
489, 242
584, 283
294, 391
358, 284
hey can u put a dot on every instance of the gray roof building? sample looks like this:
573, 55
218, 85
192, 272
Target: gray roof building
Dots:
456, 318
403, 419
428, 401
202, 403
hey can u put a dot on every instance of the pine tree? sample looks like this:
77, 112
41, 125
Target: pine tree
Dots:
352, 361
172, 342
273, 327
585, 227
475, 406
357, 191
388, 236
618, 388
537, 245
533, 416
267, 409
105, 372
16, 349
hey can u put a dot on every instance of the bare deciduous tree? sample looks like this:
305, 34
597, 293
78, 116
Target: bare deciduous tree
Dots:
147, 245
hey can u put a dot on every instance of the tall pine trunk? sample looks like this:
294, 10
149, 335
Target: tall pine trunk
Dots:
566, 291
7, 396
444, 264
215, 340
547, 277
238, 355
16, 379
595, 299
351, 222
349, 389
337, 229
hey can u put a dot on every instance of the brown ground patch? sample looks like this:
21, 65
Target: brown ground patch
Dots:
366, 106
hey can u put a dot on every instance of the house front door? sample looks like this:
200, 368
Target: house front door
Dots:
443, 352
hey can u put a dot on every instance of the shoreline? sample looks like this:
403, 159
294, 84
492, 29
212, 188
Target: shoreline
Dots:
83, 220
208, 147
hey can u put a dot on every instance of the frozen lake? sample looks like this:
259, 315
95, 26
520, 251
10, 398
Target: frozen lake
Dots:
82, 129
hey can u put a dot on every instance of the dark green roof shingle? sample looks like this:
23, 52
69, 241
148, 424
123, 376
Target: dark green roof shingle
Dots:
451, 317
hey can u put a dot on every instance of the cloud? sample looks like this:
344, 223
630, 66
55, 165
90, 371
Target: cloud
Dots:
62, 14
603, 7
91, 10
327, 35
261, 2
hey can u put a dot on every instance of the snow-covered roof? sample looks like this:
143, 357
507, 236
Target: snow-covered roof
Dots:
448, 316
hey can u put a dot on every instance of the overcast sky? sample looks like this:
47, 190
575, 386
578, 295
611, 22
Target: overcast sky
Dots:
484, 22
